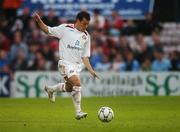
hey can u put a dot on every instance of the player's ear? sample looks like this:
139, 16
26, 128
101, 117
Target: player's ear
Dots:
77, 20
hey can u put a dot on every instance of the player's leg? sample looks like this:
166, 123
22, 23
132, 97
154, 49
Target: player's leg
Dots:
52, 90
60, 87
74, 80
76, 92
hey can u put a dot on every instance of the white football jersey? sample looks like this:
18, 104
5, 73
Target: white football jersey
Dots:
73, 44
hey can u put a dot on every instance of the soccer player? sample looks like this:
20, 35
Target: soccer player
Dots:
74, 51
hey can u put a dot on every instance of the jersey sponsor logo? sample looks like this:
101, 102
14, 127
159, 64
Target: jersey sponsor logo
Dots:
77, 43
73, 47
71, 71
76, 46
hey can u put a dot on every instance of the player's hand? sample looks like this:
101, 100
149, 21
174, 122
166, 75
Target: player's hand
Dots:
36, 17
94, 74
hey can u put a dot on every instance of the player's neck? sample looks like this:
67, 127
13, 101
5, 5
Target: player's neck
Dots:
78, 27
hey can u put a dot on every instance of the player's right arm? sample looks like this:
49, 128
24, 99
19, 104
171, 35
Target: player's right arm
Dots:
56, 31
40, 23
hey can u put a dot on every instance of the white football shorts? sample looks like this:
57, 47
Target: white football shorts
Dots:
69, 69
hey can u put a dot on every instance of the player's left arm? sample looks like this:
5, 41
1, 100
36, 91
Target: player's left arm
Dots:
89, 67
86, 55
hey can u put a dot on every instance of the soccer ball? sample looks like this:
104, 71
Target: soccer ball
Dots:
105, 114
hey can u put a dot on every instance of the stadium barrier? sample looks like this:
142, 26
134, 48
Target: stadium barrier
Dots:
4, 85
30, 84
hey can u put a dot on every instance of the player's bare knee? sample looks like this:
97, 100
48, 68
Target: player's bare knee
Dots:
75, 81
78, 84
69, 87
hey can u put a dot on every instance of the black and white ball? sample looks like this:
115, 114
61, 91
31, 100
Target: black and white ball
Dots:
105, 114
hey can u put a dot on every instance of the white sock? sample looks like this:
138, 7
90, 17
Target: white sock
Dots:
60, 87
76, 97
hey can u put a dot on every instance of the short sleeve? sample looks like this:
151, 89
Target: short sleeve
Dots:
86, 52
57, 31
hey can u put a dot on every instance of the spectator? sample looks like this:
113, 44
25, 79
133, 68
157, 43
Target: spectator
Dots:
3, 60
47, 52
105, 65
55, 48
175, 61
32, 31
33, 48
116, 24
31, 26
157, 44
18, 45
118, 63
117, 21
141, 48
18, 25
20, 62
146, 64
148, 25
5, 26
160, 63
39, 62
35, 36
51, 19
96, 56
108, 47
4, 42
122, 46
97, 20
131, 63
25, 17
129, 28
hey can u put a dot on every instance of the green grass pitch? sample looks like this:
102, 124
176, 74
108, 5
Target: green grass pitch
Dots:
132, 114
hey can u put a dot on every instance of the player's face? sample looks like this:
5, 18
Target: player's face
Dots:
83, 24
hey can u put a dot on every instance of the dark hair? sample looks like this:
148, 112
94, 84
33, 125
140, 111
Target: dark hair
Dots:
83, 14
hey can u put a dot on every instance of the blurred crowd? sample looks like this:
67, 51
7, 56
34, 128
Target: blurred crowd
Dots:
117, 44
